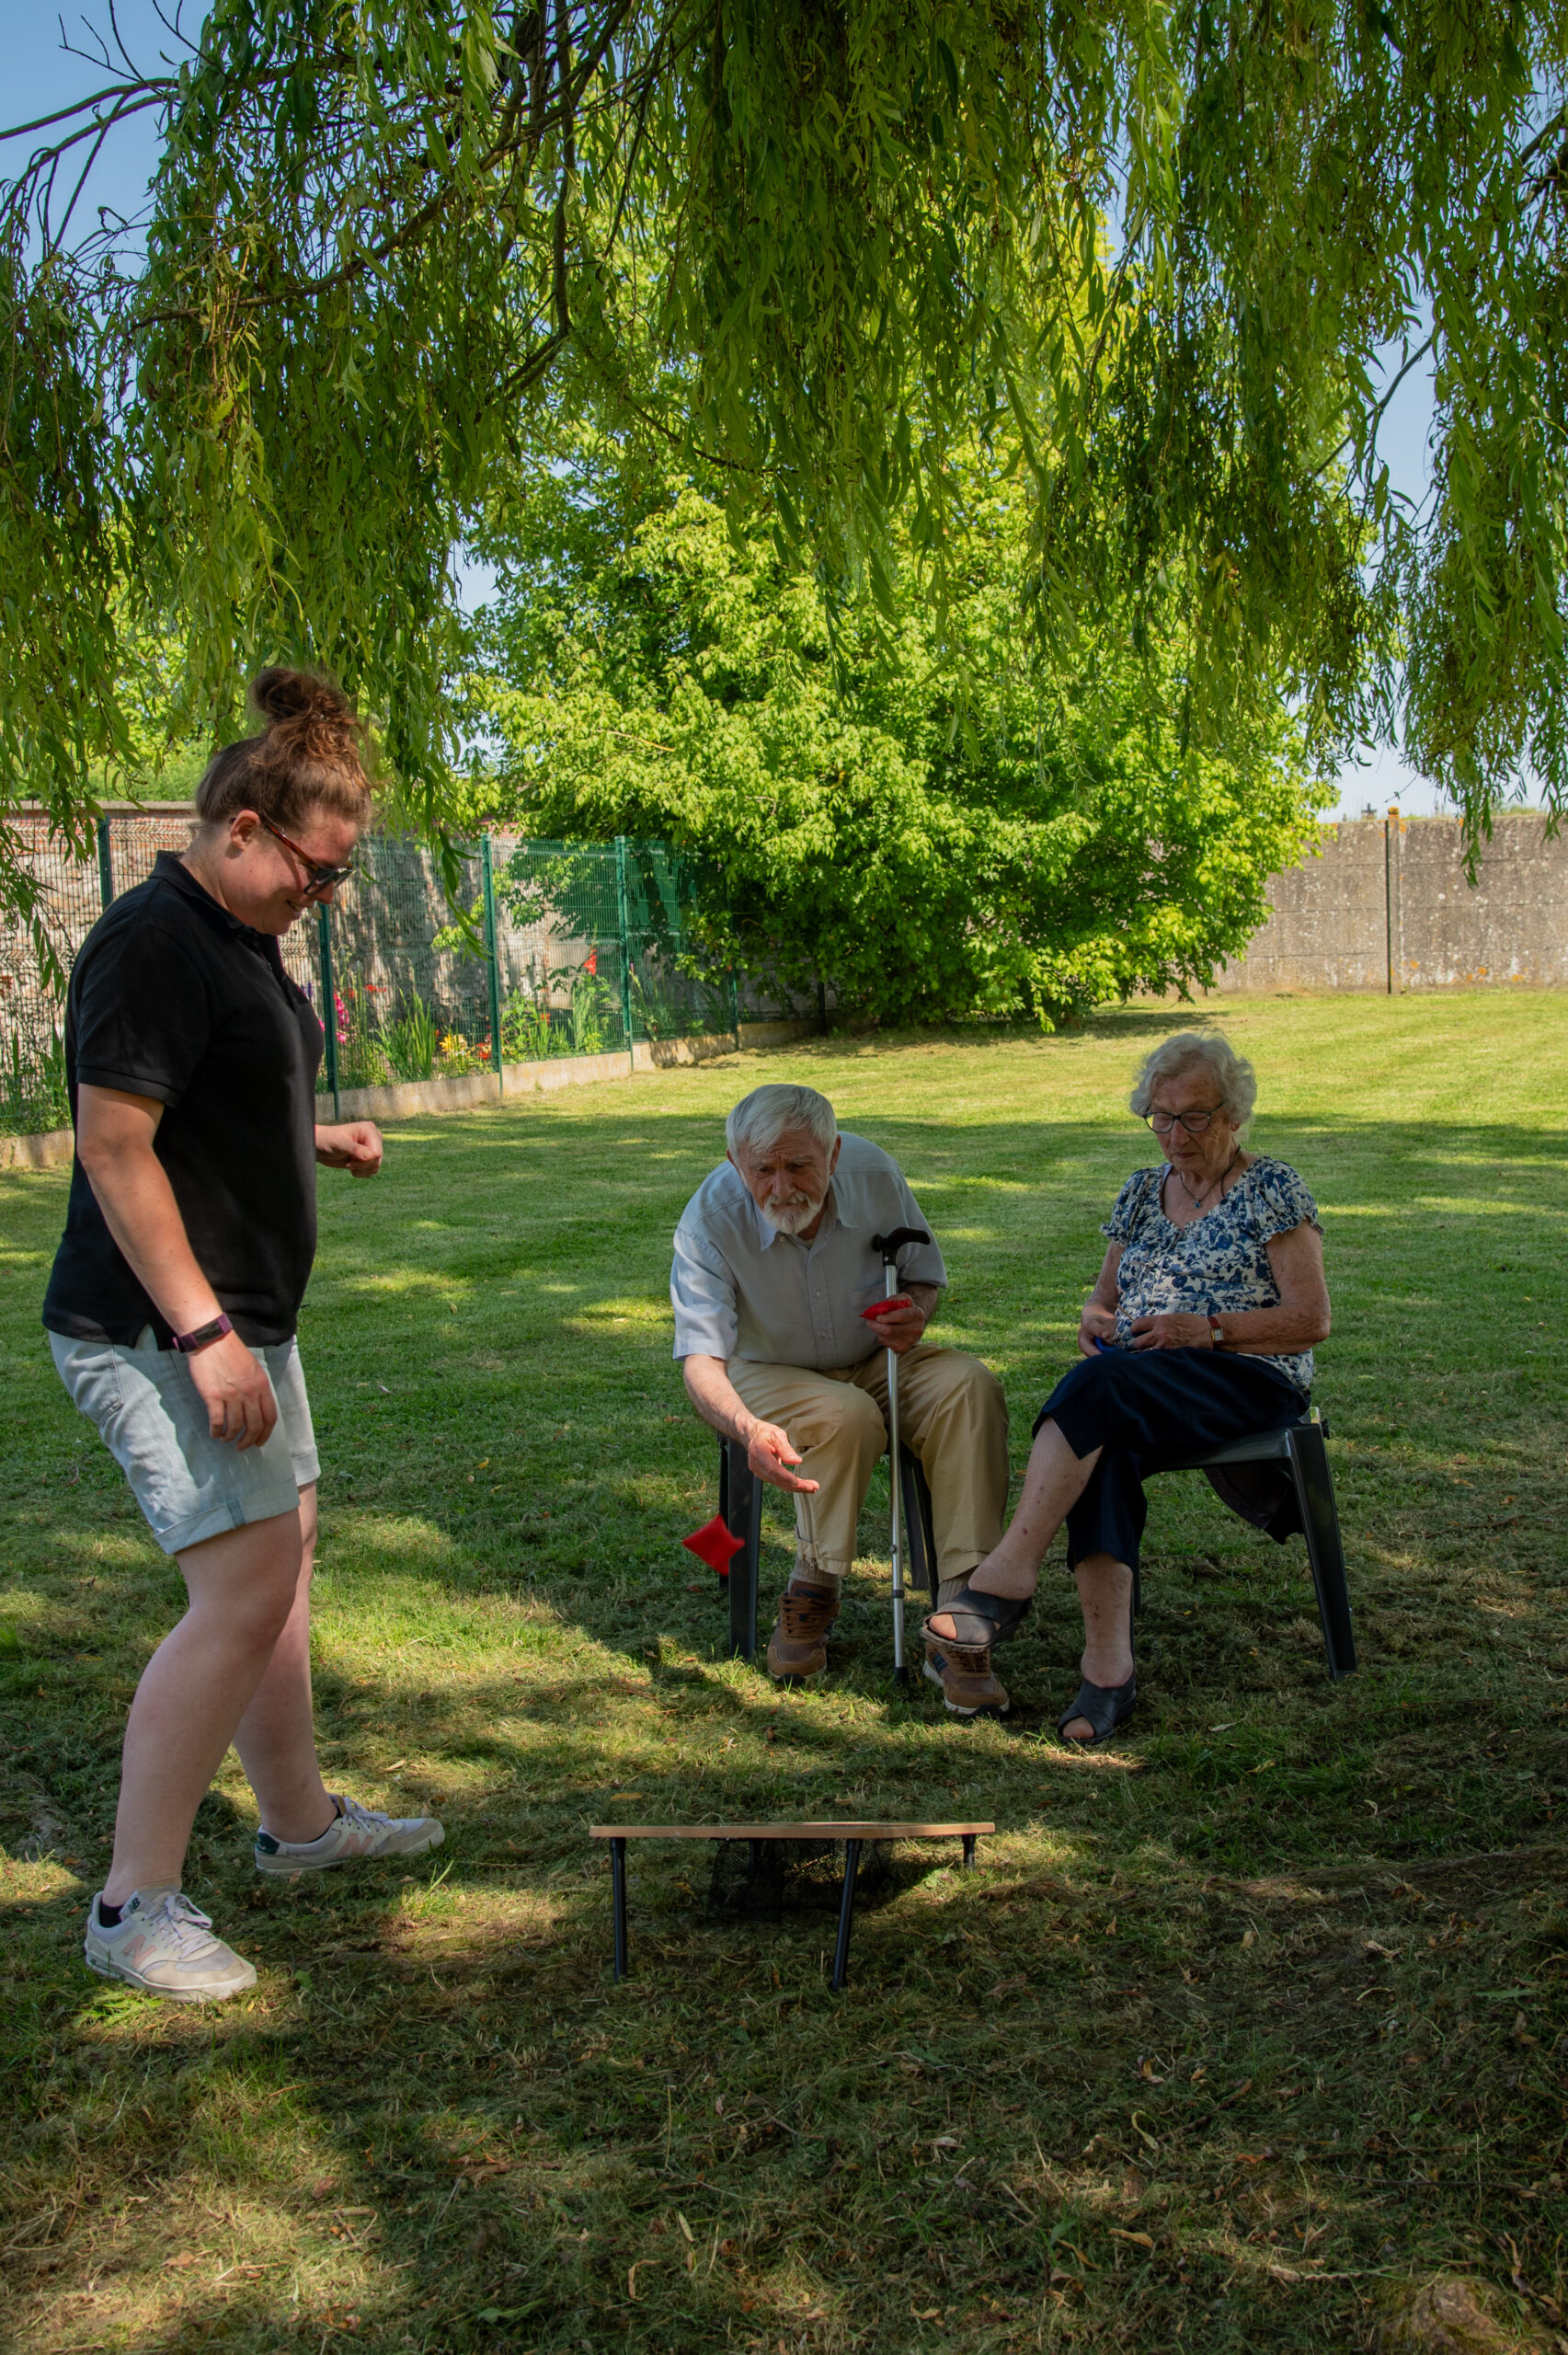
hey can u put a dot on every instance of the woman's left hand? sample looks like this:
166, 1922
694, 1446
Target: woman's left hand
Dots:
353, 1145
1174, 1330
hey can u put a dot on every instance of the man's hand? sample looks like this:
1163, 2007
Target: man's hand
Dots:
235, 1389
1096, 1324
770, 1455
1174, 1330
354, 1145
768, 1449
900, 1327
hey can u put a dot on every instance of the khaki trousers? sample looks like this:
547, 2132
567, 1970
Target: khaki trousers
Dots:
951, 1411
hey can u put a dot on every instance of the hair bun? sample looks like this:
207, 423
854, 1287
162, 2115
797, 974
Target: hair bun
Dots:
280, 695
312, 755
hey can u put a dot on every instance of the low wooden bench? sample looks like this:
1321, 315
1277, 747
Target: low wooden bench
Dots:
854, 1835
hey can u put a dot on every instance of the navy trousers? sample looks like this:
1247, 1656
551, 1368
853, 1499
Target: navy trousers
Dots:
1148, 1410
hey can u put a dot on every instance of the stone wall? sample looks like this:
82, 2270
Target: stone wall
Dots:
1385, 904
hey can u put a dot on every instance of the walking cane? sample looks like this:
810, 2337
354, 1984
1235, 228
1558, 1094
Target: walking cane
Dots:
890, 1246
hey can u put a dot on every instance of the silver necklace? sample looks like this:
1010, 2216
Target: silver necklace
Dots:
1198, 1199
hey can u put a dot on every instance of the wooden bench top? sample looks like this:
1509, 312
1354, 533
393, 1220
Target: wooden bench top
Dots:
786, 1831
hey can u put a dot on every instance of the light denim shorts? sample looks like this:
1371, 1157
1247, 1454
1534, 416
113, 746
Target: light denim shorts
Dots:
151, 1419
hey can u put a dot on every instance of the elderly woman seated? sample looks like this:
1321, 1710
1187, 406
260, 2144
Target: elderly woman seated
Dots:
1199, 1330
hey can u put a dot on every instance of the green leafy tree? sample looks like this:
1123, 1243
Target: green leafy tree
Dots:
918, 815
1171, 242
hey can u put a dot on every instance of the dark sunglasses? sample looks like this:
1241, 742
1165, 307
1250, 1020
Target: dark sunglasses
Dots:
319, 875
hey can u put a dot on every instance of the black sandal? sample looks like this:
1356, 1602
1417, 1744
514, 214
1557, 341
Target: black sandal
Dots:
991, 1619
1106, 1707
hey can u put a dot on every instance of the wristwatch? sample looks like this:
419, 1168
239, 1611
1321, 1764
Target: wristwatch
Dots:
202, 1338
1215, 1334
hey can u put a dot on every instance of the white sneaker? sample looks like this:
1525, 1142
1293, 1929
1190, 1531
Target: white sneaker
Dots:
356, 1832
164, 1945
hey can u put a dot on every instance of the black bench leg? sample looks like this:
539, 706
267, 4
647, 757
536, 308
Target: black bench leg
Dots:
969, 1840
846, 1917
740, 1506
1320, 1518
618, 1885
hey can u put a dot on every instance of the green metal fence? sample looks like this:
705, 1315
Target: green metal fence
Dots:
570, 948
561, 949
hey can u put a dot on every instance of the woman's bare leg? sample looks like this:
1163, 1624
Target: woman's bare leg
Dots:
193, 1692
1105, 1589
1054, 1481
276, 1737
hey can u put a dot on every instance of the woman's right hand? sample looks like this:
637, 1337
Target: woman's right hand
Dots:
236, 1391
1096, 1324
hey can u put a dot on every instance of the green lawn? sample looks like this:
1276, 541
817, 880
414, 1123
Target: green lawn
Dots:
1238, 2026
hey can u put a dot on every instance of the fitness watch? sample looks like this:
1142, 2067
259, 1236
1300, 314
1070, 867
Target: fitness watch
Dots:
202, 1338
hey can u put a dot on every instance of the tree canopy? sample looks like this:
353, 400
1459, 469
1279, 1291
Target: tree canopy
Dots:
817, 247
930, 820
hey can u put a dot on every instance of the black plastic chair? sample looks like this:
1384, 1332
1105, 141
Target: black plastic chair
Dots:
1299, 1448
741, 1510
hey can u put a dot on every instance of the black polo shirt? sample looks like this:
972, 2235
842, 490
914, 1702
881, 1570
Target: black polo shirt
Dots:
173, 998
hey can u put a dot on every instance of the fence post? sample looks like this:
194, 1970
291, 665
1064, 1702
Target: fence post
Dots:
488, 872
328, 1001
735, 1007
1391, 927
106, 866
624, 919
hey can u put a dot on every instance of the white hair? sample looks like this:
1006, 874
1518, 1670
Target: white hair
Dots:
1200, 1050
760, 1119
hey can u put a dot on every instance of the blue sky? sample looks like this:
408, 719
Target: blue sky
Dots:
41, 76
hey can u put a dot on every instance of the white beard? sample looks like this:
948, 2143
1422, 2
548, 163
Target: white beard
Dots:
792, 1216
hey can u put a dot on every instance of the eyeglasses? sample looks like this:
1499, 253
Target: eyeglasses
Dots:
1194, 1123
319, 875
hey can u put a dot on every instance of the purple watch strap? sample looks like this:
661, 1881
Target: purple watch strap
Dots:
202, 1338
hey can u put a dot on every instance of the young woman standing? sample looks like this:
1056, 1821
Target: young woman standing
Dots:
172, 1306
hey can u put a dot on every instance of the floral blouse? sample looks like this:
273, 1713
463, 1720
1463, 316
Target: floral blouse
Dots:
1220, 1262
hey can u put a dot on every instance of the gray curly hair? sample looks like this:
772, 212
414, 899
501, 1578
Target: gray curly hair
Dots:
1233, 1076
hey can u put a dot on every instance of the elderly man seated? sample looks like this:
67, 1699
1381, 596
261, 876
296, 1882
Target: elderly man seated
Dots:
1199, 1330
773, 1271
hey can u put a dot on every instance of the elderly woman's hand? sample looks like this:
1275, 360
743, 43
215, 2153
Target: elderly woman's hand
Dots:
1174, 1330
1096, 1324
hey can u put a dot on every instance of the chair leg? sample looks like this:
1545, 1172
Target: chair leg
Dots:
743, 1520
1320, 1518
920, 1536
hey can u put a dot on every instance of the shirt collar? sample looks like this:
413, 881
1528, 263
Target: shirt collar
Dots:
169, 867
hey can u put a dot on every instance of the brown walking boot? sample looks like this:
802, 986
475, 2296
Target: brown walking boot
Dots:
971, 1686
798, 1645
